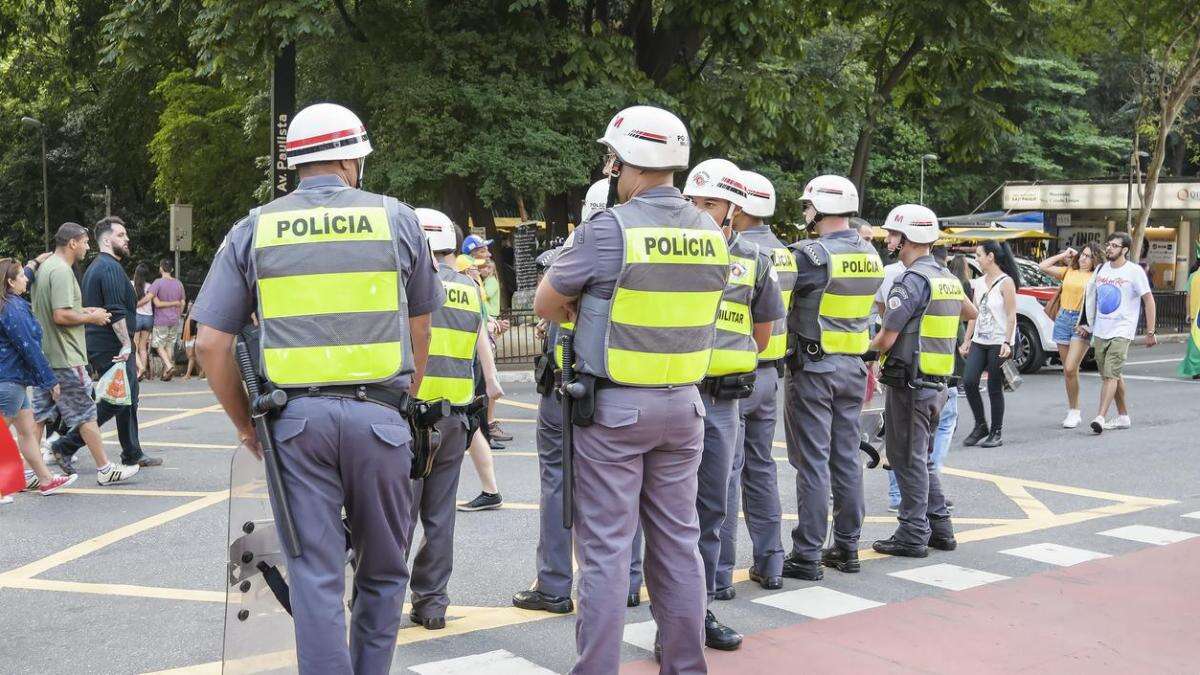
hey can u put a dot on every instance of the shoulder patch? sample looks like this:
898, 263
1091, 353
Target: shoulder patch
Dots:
894, 302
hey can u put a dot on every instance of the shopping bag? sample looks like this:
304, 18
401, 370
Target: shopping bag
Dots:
113, 386
12, 471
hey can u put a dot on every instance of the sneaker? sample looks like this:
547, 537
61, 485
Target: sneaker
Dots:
496, 445
57, 483
64, 462
6, 499
1073, 419
31, 481
484, 502
1118, 422
117, 473
147, 460
497, 432
949, 506
894, 508
1098, 424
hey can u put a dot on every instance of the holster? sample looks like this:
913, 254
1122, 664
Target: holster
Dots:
471, 410
543, 373
896, 373
729, 387
583, 409
423, 417
800, 350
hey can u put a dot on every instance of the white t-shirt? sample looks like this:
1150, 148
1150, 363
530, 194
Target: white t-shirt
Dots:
991, 326
890, 274
146, 309
1119, 292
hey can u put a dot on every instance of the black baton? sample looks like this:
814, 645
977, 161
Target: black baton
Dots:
262, 405
569, 391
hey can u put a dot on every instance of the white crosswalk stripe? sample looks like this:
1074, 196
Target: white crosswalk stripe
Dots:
817, 602
1147, 534
1055, 554
1193, 514
640, 635
498, 662
950, 577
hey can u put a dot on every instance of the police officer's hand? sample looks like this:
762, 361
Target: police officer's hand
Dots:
249, 440
965, 348
539, 331
1005, 350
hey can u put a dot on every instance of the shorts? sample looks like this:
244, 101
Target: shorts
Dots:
1064, 326
13, 399
144, 323
1110, 356
164, 337
75, 404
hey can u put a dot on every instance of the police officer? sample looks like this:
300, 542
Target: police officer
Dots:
920, 329
343, 285
836, 279
753, 476
749, 309
457, 331
645, 279
551, 591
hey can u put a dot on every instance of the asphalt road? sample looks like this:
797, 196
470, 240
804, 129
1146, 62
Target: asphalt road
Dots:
131, 578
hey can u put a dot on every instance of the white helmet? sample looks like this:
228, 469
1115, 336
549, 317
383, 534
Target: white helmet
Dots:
831, 195
324, 132
760, 195
648, 138
718, 179
438, 229
917, 223
594, 201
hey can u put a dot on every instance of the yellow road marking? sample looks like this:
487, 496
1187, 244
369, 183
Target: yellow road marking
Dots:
1053, 487
518, 421
192, 412
125, 590
142, 408
523, 506
135, 493
96, 543
157, 394
517, 404
1034, 509
172, 444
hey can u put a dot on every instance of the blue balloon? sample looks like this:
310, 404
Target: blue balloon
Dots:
1108, 298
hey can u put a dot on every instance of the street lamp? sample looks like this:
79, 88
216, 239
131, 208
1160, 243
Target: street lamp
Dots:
30, 122
1141, 154
924, 158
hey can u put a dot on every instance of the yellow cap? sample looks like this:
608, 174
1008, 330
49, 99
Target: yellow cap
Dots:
465, 262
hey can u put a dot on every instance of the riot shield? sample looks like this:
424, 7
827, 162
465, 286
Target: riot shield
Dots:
259, 636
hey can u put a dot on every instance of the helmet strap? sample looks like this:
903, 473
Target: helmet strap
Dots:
613, 176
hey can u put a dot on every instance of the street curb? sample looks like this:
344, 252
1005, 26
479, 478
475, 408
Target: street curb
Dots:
515, 376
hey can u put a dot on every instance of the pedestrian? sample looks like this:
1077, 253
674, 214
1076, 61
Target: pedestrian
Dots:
837, 276
23, 365
645, 278
749, 308
551, 590
144, 319
169, 300
753, 485
916, 343
1075, 269
1117, 294
487, 386
990, 338
457, 330
58, 306
490, 430
497, 326
344, 285
105, 284
189, 345
1190, 365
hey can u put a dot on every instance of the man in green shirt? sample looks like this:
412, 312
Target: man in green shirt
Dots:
58, 308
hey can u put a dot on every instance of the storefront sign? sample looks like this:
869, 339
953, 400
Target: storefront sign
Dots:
1097, 196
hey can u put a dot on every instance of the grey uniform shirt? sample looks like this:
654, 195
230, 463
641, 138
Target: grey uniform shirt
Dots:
594, 260
906, 301
812, 276
229, 295
767, 304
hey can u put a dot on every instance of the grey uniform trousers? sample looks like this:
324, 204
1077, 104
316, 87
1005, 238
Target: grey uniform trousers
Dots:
554, 541
716, 462
340, 453
640, 457
434, 504
753, 483
824, 400
912, 414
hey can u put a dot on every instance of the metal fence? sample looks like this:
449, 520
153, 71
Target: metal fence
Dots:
518, 345
1171, 314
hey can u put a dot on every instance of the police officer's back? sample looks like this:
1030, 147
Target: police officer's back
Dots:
342, 285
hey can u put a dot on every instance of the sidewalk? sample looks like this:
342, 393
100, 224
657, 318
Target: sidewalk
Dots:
1132, 613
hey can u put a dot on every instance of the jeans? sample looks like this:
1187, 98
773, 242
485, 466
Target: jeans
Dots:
947, 423
127, 424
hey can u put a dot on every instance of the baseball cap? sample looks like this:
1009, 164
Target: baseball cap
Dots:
474, 241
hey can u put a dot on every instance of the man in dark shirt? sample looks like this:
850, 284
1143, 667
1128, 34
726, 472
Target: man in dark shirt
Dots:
105, 284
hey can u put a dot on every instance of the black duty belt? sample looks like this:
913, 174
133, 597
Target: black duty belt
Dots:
779, 364
729, 386
370, 393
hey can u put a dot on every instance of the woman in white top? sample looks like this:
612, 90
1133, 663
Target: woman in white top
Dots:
989, 338
144, 319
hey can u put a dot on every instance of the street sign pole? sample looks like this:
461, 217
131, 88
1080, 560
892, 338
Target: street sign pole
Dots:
283, 106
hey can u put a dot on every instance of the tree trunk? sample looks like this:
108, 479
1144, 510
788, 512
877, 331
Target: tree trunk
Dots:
1151, 185
556, 211
862, 154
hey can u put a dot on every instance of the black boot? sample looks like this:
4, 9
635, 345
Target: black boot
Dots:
719, 636
841, 559
977, 434
993, 440
537, 600
891, 546
795, 567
